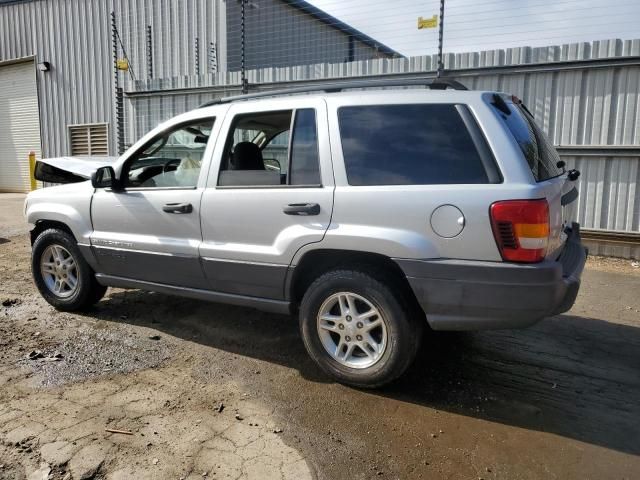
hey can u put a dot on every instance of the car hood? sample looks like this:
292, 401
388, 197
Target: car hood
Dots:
70, 169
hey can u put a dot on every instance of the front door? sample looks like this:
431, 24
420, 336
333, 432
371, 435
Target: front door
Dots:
270, 192
150, 229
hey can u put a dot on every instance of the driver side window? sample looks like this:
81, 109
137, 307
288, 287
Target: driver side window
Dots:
171, 159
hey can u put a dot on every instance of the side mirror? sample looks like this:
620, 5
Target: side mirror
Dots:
104, 177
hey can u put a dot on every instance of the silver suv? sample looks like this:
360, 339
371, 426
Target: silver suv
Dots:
370, 213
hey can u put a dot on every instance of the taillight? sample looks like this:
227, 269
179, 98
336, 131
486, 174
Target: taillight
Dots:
521, 228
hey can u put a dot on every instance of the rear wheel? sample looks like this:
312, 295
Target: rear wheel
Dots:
61, 273
358, 328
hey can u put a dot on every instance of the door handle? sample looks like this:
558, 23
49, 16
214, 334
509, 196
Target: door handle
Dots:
177, 208
302, 209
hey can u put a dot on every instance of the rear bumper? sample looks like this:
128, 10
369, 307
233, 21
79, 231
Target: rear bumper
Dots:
472, 295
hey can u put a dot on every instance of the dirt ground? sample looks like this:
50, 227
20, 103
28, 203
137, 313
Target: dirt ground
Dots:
211, 391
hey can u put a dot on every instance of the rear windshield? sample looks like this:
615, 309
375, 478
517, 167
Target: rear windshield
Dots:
415, 144
540, 154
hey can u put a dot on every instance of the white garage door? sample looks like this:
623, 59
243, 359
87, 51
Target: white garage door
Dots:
19, 125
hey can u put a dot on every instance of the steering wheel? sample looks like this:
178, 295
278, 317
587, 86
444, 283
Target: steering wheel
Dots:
168, 163
165, 169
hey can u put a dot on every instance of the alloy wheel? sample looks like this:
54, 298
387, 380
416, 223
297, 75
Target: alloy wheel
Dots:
59, 271
352, 330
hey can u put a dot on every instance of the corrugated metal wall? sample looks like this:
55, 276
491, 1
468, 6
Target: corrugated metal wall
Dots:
609, 194
74, 36
580, 105
175, 27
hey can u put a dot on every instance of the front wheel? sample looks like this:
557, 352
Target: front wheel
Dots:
62, 275
359, 329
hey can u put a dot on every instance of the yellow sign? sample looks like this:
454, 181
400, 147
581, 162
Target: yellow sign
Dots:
427, 22
32, 169
122, 64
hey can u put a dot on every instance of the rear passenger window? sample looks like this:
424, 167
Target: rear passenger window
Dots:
272, 148
420, 144
304, 150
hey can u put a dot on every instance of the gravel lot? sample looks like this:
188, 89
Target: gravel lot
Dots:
211, 391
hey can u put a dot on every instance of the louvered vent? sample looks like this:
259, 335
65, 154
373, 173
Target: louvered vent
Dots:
89, 139
507, 236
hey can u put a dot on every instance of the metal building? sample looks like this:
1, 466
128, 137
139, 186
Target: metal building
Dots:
298, 34
57, 76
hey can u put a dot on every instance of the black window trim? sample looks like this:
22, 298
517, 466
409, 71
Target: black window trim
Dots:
491, 168
125, 167
477, 137
262, 187
291, 126
294, 119
142, 189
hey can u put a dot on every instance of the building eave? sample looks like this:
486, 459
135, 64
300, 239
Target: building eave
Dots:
324, 17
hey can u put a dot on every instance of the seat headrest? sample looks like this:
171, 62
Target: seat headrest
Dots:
247, 156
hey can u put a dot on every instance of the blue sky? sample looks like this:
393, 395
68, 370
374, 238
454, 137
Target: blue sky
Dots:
483, 25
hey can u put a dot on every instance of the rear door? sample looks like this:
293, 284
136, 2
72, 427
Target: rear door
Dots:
414, 177
270, 192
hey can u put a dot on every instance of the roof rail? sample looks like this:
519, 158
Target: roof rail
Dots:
338, 86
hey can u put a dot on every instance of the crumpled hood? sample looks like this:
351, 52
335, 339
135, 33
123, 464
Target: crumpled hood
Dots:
70, 169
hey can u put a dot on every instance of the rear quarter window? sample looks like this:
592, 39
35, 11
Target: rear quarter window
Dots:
415, 144
538, 151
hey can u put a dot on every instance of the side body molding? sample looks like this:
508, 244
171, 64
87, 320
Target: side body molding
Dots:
390, 242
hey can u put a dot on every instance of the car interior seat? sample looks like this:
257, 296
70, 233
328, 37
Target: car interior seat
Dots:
247, 156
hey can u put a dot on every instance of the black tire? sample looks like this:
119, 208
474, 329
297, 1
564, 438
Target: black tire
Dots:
404, 325
87, 292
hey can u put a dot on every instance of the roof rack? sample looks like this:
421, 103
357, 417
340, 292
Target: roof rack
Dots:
433, 84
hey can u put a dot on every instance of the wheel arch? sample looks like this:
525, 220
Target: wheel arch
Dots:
316, 262
73, 216
86, 291
42, 225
